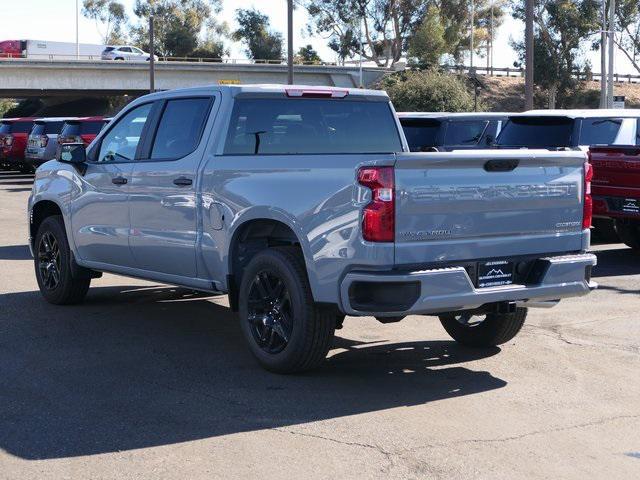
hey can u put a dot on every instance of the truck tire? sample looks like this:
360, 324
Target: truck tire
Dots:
629, 233
52, 261
286, 331
488, 331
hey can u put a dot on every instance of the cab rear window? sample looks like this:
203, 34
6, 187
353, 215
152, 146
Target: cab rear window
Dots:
46, 128
311, 126
537, 132
82, 128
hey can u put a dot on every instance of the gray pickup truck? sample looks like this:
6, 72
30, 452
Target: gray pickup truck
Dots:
305, 205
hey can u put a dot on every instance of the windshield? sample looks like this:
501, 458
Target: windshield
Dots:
599, 131
537, 132
421, 133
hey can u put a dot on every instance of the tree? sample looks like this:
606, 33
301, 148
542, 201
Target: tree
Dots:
427, 46
177, 24
563, 27
307, 55
383, 30
429, 91
628, 30
112, 15
261, 43
383, 26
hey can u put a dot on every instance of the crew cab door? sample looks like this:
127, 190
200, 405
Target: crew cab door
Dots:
100, 214
163, 204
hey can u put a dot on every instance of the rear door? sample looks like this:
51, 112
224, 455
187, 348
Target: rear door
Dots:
163, 203
487, 204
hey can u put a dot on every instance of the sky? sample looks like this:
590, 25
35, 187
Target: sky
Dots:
55, 20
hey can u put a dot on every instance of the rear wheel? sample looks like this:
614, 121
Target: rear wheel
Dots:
53, 265
286, 331
486, 330
629, 233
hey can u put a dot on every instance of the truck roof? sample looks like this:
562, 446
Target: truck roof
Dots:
53, 119
272, 88
17, 119
460, 115
583, 113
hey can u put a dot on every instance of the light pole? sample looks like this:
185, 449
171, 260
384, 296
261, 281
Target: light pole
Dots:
528, 39
152, 57
612, 26
603, 57
290, 42
473, 21
77, 33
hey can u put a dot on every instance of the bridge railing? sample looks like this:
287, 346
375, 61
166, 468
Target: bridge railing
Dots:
235, 61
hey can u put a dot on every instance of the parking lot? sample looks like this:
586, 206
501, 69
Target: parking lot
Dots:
151, 381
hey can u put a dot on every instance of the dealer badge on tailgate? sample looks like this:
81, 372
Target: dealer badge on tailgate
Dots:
495, 273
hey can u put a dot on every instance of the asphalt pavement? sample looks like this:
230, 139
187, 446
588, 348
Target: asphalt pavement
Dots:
149, 381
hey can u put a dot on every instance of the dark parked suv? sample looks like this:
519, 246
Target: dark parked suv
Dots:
13, 140
443, 132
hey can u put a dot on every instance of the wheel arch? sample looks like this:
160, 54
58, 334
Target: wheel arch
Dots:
41, 210
255, 233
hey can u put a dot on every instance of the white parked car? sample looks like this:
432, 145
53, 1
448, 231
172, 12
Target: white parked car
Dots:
126, 53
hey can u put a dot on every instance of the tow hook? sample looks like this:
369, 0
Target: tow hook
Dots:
505, 307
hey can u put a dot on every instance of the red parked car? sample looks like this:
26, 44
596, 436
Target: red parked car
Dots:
616, 189
82, 129
13, 141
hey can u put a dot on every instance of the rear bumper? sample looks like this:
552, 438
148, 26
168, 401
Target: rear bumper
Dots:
450, 289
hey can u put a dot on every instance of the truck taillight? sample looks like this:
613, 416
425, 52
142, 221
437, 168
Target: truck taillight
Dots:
378, 217
587, 214
43, 141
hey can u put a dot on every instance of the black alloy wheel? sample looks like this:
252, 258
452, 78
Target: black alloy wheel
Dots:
269, 312
49, 261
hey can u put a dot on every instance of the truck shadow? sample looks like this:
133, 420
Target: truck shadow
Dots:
15, 252
617, 262
137, 367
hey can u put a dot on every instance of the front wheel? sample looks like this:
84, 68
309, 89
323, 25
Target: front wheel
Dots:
53, 265
486, 330
286, 331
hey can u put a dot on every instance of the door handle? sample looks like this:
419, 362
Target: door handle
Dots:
182, 181
501, 165
119, 180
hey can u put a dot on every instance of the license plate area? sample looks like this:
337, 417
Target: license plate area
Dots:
495, 273
624, 205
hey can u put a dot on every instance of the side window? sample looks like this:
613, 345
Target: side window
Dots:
464, 133
125, 49
600, 131
180, 128
122, 140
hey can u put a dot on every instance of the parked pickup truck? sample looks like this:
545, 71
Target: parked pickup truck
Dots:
616, 189
304, 205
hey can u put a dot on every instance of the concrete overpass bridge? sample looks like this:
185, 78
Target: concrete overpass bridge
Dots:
21, 78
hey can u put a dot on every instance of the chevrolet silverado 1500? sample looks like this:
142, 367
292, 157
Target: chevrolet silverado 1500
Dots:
305, 205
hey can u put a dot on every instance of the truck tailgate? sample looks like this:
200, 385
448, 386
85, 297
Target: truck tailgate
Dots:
487, 204
616, 171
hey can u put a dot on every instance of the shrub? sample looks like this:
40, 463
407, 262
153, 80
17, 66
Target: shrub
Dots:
429, 91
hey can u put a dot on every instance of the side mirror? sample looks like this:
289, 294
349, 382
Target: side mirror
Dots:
72, 153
